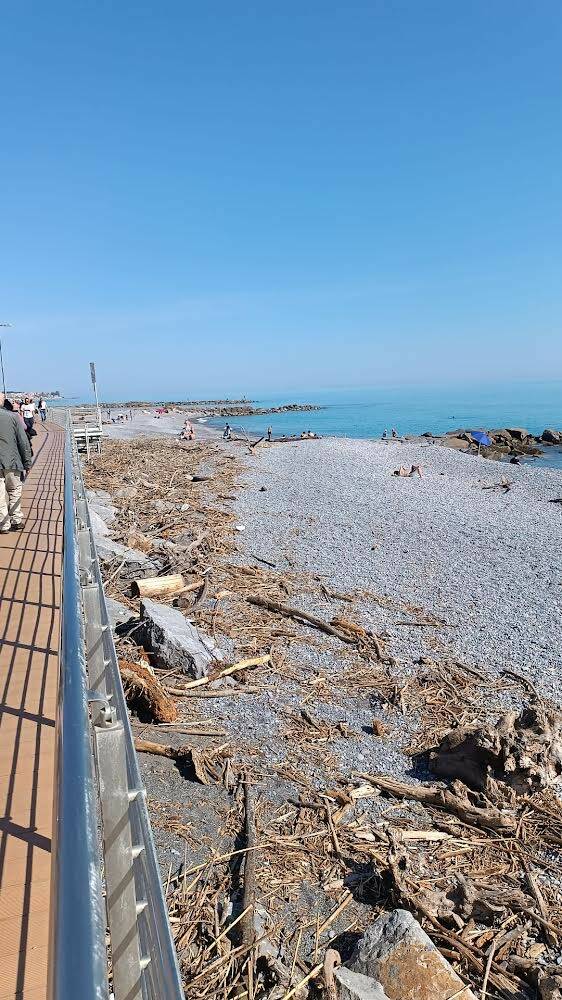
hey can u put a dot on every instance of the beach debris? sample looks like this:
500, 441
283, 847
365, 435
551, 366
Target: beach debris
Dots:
354, 986
160, 586
137, 540
327, 859
249, 891
505, 485
205, 766
174, 642
469, 806
144, 691
342, 629
131, 563
551, 987
248, 664
396, 952
379, 728
522, 753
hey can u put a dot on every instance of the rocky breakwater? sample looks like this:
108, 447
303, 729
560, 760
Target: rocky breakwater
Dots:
246, 410
512, 442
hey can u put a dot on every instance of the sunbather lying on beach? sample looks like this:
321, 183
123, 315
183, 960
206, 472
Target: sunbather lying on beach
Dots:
406, 473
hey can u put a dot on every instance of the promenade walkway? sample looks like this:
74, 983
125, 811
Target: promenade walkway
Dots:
30, 599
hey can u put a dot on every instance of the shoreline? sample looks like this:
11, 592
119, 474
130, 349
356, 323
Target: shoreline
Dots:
170, 424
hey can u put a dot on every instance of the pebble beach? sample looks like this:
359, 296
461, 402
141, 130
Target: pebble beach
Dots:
486, 562
454, 575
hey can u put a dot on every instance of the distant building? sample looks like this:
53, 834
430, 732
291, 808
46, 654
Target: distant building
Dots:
52, 394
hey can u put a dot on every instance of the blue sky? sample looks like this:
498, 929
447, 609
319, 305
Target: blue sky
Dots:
227, 197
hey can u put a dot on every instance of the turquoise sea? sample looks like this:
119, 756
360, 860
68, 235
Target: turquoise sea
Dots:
364, 413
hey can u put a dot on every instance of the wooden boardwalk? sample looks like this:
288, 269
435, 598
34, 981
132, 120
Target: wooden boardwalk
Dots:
30, 600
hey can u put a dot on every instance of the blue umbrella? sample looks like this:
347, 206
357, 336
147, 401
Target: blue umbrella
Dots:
481, 438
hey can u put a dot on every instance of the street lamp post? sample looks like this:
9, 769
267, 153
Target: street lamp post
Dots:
2, 362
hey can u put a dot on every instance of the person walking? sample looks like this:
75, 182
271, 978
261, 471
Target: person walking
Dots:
28, 412
42, 410
269, 433
15, 462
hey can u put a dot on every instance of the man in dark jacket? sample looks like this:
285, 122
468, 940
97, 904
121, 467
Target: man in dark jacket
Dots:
15, 461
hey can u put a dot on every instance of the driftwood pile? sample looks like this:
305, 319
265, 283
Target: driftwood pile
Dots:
474, 852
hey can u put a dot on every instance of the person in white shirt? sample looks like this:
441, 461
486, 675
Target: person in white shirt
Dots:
28, 412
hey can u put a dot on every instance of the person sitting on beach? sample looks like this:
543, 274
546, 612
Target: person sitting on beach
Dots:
384, 434
394, 432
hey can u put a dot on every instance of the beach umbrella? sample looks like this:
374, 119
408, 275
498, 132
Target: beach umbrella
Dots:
481, 438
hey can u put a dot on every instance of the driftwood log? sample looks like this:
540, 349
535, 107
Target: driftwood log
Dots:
345, 631
159, 586
143, 689
249, 895
201, 763
469, 806
521, 754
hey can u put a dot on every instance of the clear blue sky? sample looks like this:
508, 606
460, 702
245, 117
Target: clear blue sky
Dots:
233, 196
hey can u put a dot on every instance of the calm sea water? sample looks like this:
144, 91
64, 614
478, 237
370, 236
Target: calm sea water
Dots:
364, 413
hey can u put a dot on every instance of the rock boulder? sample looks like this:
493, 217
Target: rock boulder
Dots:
354, 986
551, 437
459, 444
134, 563
398, 954
173, 641
518, 432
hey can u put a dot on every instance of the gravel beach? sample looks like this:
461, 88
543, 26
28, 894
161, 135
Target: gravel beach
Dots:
486, 562
146, 423
446, 571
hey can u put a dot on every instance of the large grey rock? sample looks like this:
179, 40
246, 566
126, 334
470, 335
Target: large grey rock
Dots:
354, 986
552, 437
460, 444
99, 525
100, 502
396, 952
518, 432
174, 642
135, 563
117, 613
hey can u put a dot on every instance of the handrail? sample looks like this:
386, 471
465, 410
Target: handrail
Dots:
161, 977
78, 956
78, 959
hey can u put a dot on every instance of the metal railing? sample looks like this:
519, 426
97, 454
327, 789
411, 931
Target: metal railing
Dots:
106, 800
78, 965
